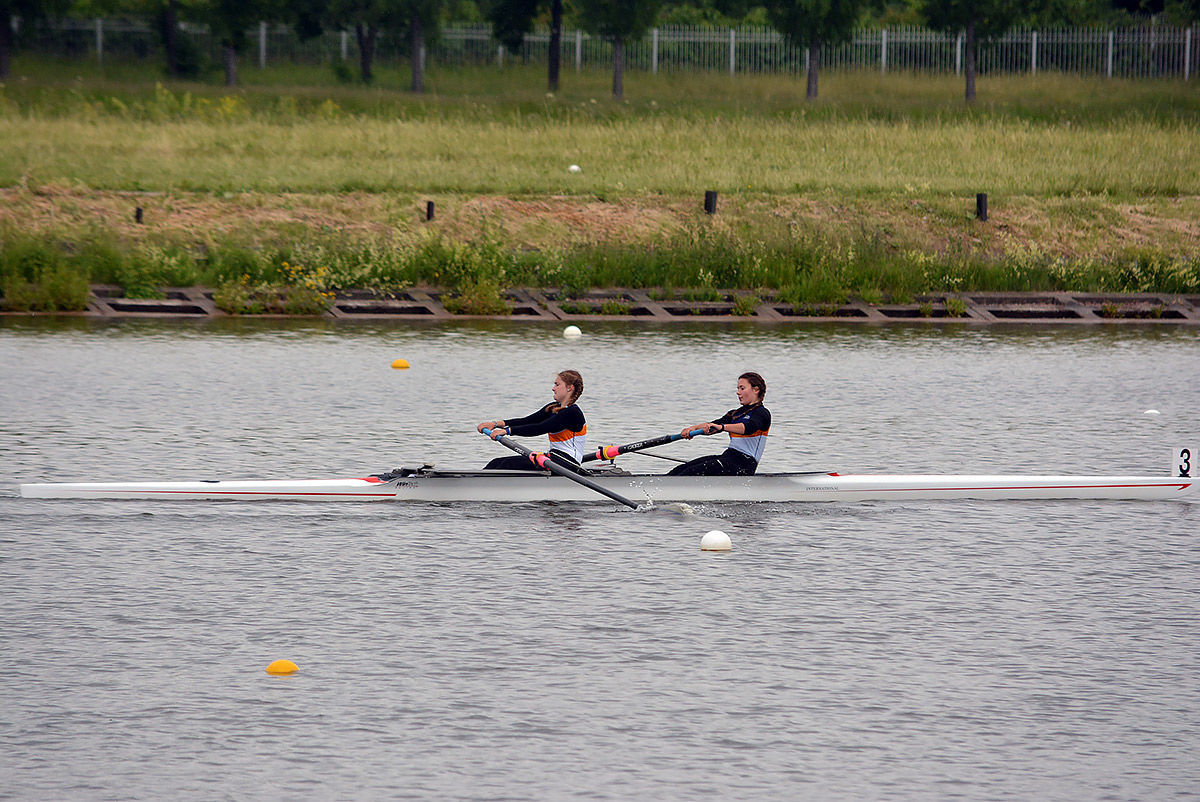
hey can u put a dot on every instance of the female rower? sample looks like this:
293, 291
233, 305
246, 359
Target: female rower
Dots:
747, 427
562, 420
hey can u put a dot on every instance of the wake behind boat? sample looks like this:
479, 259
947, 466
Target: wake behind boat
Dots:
427, 484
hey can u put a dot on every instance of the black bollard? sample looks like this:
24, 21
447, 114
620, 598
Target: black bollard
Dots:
710, 201
981, 206
428, 211
137, 215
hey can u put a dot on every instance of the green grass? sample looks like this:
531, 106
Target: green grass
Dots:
492, 132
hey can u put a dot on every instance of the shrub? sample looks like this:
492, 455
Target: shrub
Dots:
483, 298
745, 305
36, 277
245, 298
614, 307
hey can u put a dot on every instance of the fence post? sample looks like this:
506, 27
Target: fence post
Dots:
578, 50
1033, 53
654, 52
1187, 54
1110, 53
499, 55
732, 49
345, 44
262, 45
883, 52
99, 41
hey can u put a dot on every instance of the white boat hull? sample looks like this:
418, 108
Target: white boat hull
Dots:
513, 486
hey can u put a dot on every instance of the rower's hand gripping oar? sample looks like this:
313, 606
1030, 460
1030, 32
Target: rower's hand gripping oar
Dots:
545, 462
612, 452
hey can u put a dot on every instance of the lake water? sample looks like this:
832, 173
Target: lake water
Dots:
921, 650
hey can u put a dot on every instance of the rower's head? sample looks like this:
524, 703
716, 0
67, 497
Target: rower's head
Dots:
751, 389
568, 386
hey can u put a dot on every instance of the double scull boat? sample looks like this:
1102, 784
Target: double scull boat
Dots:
427, 484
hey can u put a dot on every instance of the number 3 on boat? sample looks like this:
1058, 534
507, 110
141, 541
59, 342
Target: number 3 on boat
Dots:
1183, 461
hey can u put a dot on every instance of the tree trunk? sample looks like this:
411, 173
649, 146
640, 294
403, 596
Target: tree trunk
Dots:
418, 63
556, 13
366, 51
814, 60
170, 28
6, 45
619, 68
231, 58
970, 68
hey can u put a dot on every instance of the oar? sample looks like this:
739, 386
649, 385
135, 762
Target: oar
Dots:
552, 466
612, 452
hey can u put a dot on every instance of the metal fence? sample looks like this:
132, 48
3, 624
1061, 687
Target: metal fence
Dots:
1149, 51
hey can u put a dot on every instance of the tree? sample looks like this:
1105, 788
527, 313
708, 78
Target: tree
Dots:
25, 11
420, 22
812, 23
978, 20
365, 17
513, 19
618, 21
417, 21
229, 20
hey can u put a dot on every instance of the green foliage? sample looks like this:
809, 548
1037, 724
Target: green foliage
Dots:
478, 298
617, 19
35, 276
745, 305
991, 18
814, 22
956, 307
614, 307
243, 297
342, 72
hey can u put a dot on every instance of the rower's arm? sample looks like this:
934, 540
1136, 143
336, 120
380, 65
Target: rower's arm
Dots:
733, 428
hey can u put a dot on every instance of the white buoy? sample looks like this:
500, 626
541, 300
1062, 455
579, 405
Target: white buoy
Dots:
716, 540
572, 332
1152, 412
574, 168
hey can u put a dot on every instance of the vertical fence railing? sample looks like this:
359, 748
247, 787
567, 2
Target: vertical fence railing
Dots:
1147, 51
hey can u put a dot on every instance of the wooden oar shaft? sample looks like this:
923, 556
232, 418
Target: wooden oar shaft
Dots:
554, 468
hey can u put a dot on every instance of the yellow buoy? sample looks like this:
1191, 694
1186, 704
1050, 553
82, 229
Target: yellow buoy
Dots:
400, 364
283, 667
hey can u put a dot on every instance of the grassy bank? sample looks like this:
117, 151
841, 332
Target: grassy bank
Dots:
751, 135
811, 250
295, 181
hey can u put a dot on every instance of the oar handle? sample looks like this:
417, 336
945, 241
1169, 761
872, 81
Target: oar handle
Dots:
552, 466
612, 452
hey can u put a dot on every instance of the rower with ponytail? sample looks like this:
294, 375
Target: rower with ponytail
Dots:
747, 427
562, 420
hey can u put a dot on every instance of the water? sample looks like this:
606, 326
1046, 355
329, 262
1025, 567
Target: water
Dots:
971, 650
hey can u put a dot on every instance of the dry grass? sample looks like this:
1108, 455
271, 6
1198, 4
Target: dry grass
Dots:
1068, 227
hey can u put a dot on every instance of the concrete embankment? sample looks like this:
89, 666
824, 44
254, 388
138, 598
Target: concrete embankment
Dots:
654, 306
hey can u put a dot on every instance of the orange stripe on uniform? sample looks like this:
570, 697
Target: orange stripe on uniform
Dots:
566, 434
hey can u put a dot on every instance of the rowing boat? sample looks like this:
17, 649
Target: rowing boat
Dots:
426, 484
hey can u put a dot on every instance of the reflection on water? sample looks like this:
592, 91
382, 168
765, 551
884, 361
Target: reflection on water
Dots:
546, 651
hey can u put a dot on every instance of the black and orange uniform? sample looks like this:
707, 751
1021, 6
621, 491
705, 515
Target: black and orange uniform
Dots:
566, 428
745, 450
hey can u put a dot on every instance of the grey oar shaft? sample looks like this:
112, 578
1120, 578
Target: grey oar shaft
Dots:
567, 473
